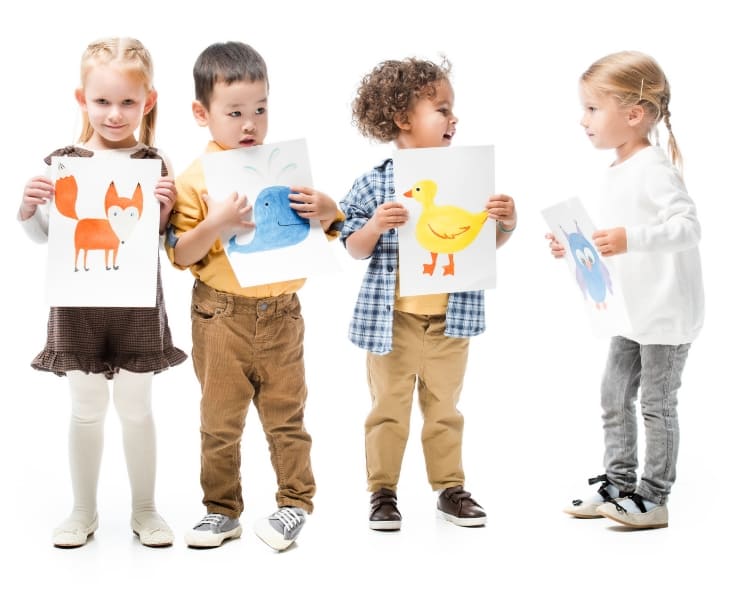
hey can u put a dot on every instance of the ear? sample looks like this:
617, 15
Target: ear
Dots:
80, 98
112, 192
201, 114
151, 101
635, 115
401, 120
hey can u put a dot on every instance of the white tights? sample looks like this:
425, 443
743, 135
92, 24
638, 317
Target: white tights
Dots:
132, 397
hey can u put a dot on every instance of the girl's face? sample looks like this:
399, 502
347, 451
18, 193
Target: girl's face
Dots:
431, 122
115, 100
608, 125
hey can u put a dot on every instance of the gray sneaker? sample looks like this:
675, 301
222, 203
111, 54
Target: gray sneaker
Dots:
280, 529
213, 530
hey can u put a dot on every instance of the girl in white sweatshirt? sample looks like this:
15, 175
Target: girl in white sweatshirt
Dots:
652, 231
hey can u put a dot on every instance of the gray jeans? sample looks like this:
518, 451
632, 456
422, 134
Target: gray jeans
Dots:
656, 370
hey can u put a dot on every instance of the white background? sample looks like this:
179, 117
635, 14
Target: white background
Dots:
531, 400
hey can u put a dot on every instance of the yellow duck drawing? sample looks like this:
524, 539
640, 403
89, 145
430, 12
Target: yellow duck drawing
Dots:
443, 229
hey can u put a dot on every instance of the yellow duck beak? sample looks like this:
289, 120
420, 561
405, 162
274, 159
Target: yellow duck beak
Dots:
409, 193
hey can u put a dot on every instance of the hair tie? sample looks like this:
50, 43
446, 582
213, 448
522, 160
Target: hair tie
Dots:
69, 151
151, 153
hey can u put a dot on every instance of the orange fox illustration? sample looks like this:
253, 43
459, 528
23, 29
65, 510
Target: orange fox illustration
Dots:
106, 234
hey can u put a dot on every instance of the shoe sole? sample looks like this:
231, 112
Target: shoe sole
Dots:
637, 525
633, 524
594, 515
164, 544
385, 525
463, 521
270, 536
74, 544
215, 541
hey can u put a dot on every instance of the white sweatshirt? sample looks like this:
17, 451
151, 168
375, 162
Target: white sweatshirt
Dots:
661, 273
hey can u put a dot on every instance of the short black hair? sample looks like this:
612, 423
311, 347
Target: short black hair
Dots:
228, 62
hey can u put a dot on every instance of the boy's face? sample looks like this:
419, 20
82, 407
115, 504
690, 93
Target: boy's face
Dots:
431, 122
236, 114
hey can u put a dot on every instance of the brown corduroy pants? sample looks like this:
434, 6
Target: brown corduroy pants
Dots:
250, 350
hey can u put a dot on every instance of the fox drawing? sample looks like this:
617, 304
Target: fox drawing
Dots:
106, 234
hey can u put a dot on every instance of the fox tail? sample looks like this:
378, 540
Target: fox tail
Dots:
66, 192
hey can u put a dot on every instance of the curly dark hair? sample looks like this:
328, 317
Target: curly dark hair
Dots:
390, 90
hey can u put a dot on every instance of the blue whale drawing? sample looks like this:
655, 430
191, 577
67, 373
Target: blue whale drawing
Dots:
277, 225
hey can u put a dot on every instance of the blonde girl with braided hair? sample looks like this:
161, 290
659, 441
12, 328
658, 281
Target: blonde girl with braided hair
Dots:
651, 232
94, 346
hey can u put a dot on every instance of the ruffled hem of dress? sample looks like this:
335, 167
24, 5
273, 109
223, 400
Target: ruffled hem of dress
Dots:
61, 362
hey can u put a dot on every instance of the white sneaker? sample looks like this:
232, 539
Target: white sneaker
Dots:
281, 529
212, 530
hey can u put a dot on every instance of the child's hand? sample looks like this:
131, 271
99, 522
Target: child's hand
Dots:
37, 191
502, 208
610, 242
556, 248
389, 215
231, 213
312, 205
166, 194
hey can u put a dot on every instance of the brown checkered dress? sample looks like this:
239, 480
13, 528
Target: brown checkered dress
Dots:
104, 340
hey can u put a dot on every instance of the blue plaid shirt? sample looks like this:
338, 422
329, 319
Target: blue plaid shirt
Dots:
371, 326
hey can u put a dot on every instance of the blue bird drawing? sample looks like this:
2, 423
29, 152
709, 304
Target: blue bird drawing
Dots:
276, 224
591, 273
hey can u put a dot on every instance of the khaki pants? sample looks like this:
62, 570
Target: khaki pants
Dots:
248, 349
424, 357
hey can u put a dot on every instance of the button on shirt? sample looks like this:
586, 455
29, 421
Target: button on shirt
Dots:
371, 325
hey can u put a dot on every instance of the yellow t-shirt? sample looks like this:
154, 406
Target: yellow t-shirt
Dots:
215, 269
429, 305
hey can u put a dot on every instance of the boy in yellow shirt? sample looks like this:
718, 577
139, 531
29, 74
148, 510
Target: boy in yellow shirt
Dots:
247, 341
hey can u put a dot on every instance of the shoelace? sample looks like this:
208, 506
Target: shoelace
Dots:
602, 490
288, 517
211, 519
636, 498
